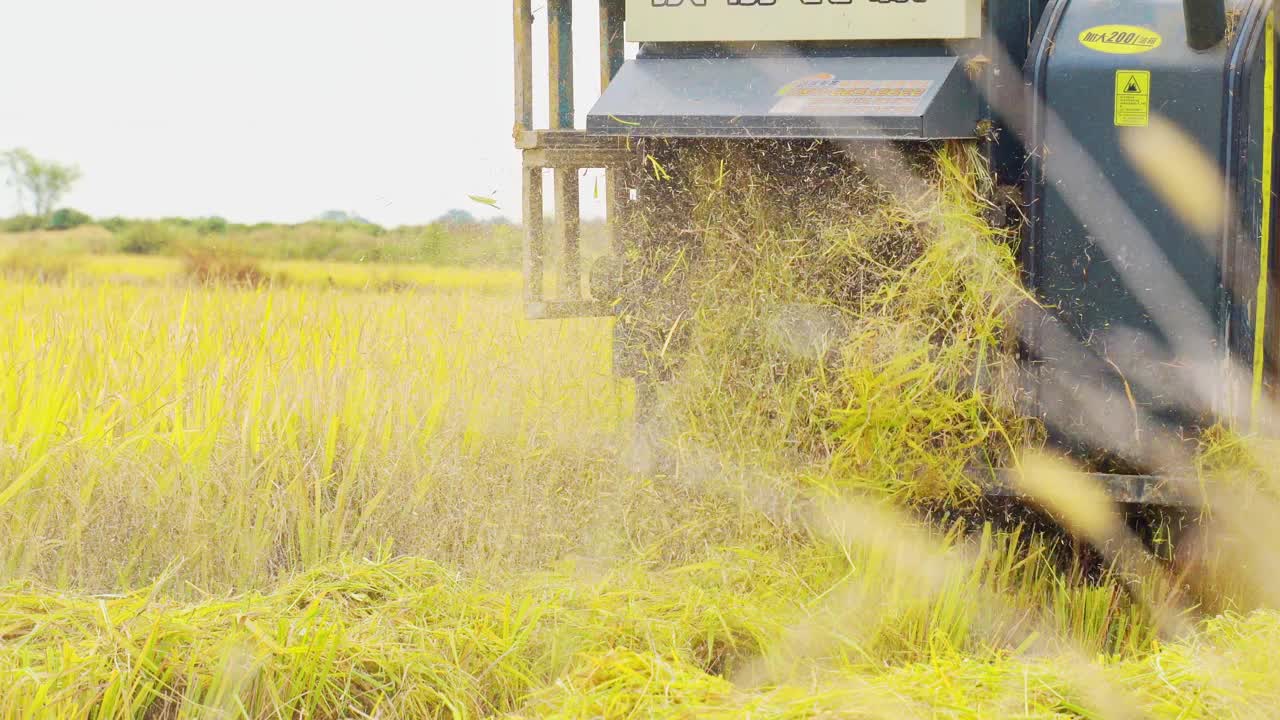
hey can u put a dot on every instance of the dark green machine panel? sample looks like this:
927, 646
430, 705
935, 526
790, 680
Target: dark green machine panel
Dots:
1147, 330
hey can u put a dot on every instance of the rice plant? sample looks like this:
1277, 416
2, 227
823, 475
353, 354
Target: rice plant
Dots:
398, 499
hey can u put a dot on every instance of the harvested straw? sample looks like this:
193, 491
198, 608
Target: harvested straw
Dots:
841, 308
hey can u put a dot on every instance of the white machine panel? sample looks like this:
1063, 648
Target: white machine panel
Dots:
782, 20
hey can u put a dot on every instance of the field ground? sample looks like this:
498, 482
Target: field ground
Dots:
378, 492
126, 269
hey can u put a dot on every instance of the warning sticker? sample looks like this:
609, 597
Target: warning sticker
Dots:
1133, 98
825, 95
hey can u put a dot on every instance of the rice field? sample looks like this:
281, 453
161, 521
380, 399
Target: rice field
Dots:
134, 269
302, 422
311, 501
365, 491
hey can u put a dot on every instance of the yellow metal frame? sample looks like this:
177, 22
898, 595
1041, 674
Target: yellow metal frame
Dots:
1264, 263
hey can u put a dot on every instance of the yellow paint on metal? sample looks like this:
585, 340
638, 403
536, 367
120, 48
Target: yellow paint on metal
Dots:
1268, 157
1121, 39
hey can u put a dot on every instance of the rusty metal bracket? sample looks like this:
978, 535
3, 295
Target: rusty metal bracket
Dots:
566, 152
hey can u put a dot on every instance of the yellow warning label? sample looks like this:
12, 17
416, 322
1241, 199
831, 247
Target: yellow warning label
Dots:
1133, 98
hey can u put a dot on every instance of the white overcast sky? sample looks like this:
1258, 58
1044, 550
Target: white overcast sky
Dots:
271, 110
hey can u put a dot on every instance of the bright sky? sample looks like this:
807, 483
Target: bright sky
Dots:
271, 110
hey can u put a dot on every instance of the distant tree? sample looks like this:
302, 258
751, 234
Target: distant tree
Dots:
46, 183
457, 217
67, 218
212, 226
21, 223
342, 217
147, 238
115, 224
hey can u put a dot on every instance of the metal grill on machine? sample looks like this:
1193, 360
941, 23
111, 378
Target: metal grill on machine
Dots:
1052, 88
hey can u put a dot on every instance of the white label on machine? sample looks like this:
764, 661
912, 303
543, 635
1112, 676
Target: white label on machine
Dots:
768, 20
825, 95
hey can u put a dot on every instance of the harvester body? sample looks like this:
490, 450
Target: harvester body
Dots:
1150, 323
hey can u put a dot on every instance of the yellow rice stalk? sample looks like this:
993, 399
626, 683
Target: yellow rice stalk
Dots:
814, 314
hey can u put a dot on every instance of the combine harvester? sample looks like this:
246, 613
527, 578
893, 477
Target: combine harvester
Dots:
1095, 116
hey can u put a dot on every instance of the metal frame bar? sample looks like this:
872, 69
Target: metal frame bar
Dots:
560, 52
612, 55
534, 238
567, 220
523, 17
612, 42
565, 151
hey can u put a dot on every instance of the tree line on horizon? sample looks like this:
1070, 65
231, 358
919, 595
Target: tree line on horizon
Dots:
41, 185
